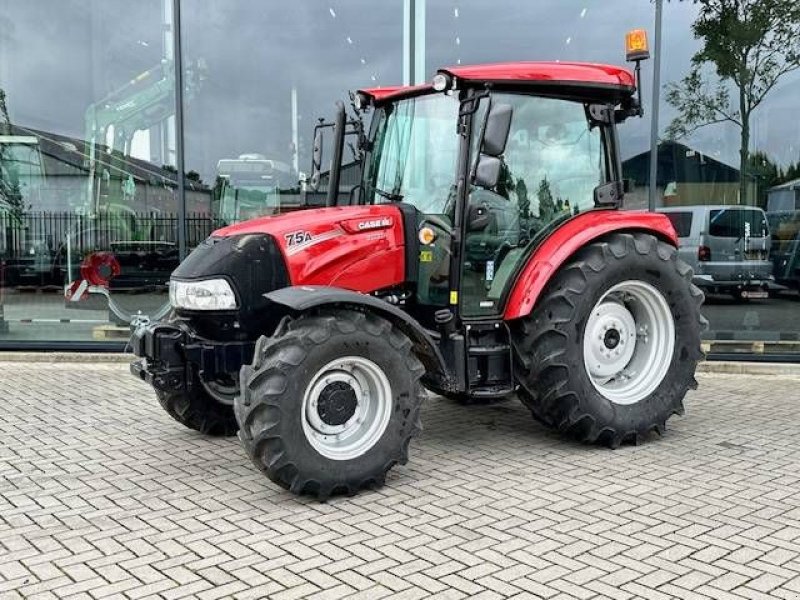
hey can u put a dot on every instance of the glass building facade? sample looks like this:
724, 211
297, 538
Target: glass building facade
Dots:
130, 131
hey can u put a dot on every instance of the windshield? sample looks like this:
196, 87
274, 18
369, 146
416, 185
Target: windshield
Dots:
246, 200
416, 148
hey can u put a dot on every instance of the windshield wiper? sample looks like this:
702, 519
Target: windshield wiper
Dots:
390, 196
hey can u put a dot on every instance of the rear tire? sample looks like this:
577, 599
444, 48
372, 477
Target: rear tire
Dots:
331, 403
197, 409
574, 374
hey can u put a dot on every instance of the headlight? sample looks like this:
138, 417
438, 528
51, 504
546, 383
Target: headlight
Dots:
206, 294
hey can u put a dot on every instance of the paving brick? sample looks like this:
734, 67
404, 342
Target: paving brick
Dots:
104, 496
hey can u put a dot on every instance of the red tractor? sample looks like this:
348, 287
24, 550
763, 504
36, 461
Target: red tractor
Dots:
481, 253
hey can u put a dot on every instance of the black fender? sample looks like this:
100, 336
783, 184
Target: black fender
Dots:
302, 298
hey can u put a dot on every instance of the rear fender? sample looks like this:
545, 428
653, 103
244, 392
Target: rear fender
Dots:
299, 299
570, 237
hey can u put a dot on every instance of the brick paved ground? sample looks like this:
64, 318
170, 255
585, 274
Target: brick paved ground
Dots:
102, 495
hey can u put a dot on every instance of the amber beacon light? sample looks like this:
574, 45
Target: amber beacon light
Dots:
636, 47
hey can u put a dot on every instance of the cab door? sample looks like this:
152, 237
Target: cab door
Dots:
413, 162
545, 173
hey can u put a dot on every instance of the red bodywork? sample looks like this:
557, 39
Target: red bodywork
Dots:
581, 74
358, 248
362, 248
568, 239
555, 72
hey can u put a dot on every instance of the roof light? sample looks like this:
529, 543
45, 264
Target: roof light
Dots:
636, 46
441, 81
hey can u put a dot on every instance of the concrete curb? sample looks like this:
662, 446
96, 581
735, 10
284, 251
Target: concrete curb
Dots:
65, 357
713, 367
749, 368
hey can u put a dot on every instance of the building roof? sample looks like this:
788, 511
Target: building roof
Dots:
679, 163
794, 184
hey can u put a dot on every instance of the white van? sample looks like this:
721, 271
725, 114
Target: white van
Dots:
727, 246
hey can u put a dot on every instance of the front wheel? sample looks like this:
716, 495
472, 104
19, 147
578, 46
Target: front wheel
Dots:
330, 404
610, 350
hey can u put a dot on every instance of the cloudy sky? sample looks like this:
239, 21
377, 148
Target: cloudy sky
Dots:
59, 56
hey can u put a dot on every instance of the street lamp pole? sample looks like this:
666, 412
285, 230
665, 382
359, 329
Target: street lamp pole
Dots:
654, 114
177, 60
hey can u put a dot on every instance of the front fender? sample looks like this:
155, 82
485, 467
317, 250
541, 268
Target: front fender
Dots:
570, 237
307, 297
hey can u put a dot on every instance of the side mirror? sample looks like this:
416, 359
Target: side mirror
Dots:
496, 129
487, 171
494, 136
478, 217
316, 160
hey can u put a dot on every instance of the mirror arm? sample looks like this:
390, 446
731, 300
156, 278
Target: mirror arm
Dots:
338, 150
469, 105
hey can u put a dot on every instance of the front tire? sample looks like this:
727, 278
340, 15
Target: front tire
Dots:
331, 403
611, 349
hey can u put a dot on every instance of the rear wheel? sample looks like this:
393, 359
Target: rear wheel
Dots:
610, 350
198, 409
330, 404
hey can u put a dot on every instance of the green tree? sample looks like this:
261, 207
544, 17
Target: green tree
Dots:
764, 172
751, 45
547, 206
791, 173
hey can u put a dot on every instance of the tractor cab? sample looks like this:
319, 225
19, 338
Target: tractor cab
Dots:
492, 158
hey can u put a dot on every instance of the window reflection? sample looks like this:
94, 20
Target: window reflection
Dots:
700, 168
88, 211
266, 86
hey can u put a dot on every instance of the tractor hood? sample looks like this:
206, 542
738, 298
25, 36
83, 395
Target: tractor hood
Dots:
360, 248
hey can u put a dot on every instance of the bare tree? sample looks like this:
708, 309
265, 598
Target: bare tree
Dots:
11, 200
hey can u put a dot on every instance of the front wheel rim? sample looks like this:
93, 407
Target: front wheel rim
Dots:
346, 407
628, 342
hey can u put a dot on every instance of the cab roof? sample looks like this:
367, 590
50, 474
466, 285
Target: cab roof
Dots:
572, 76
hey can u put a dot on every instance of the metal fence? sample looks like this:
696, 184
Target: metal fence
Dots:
56, 233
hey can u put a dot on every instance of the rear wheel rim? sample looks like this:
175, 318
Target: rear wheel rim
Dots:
628, 342
346, 407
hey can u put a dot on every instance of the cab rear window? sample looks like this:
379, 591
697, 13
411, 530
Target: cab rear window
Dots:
681, 222
737, 222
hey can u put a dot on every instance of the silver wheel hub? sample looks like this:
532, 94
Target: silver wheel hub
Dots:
628, 342
346, 407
